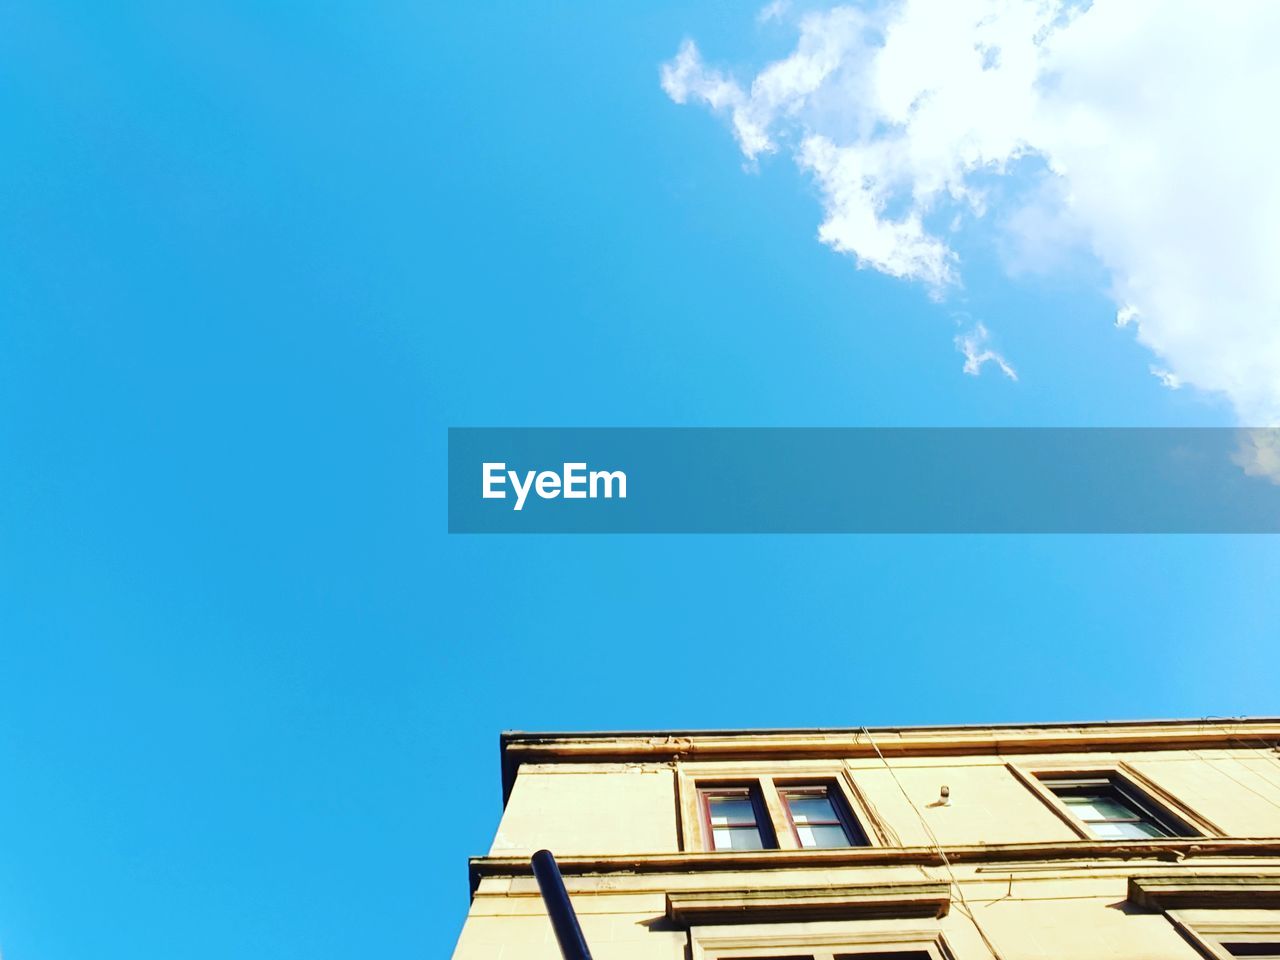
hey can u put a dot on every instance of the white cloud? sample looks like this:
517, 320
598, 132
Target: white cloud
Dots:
686, 78
1143, 124
773, 11
1258, 453
856, 194
974, 346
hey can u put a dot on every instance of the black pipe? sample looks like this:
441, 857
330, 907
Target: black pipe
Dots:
556, 897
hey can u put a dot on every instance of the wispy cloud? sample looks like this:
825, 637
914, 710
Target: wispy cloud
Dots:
975, 346
773, 11
1145, 120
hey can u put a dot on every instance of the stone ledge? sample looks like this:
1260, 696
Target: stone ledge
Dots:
882, 901
1174, 850
1197, 891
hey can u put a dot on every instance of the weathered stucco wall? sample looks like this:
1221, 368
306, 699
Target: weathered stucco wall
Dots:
631, 808
597, 809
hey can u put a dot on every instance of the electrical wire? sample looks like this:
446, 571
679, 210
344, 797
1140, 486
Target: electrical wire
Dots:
1262, 753
942, 854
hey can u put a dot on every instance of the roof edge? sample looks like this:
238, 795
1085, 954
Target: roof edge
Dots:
508, 736
518, 747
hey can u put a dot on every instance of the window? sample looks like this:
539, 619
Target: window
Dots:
734, 818
1224, 933
1114, 809
1113, 802
818, 818
816, 806
713, 944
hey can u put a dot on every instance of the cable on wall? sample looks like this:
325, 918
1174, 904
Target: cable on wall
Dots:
955, 884
1263, 752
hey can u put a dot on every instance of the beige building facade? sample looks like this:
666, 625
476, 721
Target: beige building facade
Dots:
1127, 840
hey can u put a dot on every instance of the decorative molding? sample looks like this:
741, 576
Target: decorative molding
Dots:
1202, 891
1042, 793
867, 902
879, 833
664, 746
1177, 805
715, 943
1103, 851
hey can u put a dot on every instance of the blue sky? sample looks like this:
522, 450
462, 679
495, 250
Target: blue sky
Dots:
255, 262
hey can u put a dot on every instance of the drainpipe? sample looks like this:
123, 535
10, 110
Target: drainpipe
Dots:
565, 922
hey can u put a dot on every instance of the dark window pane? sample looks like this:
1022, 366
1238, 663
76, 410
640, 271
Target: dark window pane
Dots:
807, 808
1138, 830
1267, 951
1109, 812
728, 810
737, 838
1099, 808
813, 835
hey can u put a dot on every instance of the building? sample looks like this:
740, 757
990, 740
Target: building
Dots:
1136, 840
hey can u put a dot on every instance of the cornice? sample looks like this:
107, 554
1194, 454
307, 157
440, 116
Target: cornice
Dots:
518, 748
